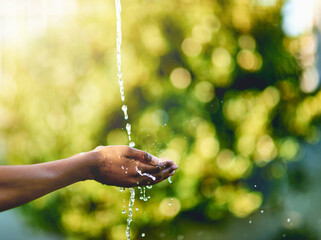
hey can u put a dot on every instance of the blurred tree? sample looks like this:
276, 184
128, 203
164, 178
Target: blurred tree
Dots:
213, 85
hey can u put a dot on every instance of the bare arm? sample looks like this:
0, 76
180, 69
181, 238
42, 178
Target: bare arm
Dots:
112, 165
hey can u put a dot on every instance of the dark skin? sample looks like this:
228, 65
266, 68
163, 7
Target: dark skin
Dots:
110, 165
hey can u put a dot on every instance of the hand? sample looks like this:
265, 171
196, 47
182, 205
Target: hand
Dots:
128, 167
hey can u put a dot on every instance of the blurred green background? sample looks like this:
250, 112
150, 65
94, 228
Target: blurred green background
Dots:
217, 86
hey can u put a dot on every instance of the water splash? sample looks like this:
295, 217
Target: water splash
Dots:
143, 195
145, 174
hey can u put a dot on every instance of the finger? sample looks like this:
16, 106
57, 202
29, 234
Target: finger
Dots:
155, 169
166, 162
157, 177
166, 174
162, 175
98, 148
143, 157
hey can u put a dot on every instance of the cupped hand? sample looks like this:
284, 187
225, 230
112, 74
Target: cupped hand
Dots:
128, 167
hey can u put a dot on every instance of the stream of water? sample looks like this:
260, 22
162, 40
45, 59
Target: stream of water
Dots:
124, 107
128, 125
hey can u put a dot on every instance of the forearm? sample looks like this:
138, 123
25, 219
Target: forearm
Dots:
24, 183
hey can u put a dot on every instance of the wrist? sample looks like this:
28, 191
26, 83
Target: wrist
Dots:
86, 165
93, 159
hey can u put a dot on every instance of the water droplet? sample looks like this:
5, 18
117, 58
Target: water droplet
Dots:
169, 204
288, 220
124, 108
262, 211
250, 222
284, 235
132, 144
122, 167
170, 180
180, 237
129, 129
123, 212
143, 234
137, 209
149, 186
255, 185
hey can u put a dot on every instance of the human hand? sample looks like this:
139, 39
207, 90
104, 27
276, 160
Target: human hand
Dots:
128, 167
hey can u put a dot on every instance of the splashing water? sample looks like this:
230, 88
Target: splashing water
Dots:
142, 193
145, 174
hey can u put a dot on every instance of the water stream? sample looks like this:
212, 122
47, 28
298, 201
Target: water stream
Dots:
128, 125
124, 108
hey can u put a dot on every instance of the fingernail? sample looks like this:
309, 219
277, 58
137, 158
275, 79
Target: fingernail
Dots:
175, 166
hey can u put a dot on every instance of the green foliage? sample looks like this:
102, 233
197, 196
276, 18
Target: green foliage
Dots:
212, 85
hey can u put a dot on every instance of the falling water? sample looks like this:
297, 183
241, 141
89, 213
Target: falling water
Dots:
130, 211
118, 44
119, 72
124, 108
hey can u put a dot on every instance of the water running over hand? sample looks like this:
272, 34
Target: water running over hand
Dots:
145, 174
